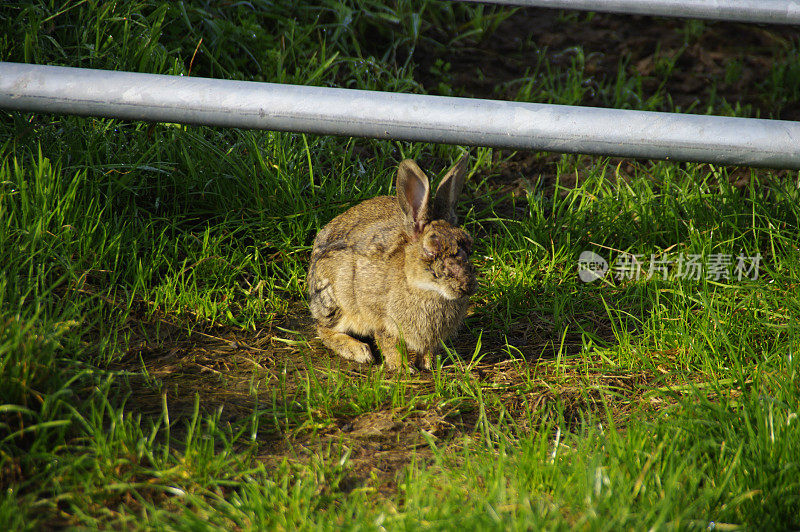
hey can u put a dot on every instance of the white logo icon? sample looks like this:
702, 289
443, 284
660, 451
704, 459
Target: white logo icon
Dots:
591, 266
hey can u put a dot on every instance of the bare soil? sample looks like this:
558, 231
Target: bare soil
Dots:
221, 365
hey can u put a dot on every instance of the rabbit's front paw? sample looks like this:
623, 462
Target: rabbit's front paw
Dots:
395, 355
424, 361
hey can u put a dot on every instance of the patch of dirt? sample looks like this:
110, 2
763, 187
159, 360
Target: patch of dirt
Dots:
270, 372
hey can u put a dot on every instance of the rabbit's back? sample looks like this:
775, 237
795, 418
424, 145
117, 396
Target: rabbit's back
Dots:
365, 229
350, 265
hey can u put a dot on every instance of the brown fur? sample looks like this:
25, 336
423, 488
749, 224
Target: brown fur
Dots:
395, 269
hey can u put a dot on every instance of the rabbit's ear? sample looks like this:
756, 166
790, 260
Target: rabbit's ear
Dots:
444, 203
413, 192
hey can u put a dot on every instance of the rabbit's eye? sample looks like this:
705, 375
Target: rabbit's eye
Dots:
430, 246
462, 253
428, 251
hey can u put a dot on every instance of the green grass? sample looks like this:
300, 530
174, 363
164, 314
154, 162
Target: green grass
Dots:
157, 363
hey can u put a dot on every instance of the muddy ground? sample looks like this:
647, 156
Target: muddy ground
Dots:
221, 364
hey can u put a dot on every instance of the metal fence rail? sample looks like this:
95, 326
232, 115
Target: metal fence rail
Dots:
764, 11
411, 117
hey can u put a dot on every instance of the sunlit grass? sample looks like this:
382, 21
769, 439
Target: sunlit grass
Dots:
157, 362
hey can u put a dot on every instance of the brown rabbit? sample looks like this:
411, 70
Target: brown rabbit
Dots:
395, 269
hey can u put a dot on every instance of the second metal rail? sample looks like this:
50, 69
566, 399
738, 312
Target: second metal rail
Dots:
763, 11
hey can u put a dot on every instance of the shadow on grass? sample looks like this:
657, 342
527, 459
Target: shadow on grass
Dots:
308, 403
542, 324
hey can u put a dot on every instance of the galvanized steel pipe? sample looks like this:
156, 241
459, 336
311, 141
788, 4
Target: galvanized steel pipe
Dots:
410, 117
764, 11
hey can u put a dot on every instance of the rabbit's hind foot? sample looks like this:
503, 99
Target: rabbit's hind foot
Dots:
346, 346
